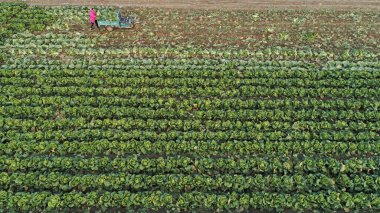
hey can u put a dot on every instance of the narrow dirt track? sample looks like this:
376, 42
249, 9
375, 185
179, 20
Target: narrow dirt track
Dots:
224, 4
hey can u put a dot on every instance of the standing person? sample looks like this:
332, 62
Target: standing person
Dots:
93, 20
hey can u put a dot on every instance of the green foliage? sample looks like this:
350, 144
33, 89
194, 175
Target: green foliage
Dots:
18, 17
156, 200
91, 125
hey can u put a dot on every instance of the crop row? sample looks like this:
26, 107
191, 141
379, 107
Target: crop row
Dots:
55, 181
128, 124
186, 165
290, 115
206, 92
15, 45
199, 63
123, 64
186, 64
274, 53
156, 200
59, 43
87, 50
195, 148
205, 72
50, 40
191, 103
109, 82
118, 134
105, 65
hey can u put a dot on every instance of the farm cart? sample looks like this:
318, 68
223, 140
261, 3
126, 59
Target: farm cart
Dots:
121, 22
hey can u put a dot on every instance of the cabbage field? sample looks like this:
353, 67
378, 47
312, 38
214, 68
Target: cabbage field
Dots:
190, 111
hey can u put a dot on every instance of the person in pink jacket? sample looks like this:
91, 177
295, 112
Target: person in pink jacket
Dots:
93, 20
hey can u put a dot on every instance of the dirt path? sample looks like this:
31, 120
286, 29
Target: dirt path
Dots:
224, 4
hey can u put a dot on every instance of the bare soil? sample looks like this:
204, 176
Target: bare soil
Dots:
224, 4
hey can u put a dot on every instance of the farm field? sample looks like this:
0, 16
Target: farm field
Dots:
224, 4
192, 110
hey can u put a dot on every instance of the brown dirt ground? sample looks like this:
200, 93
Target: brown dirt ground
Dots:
224, 4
